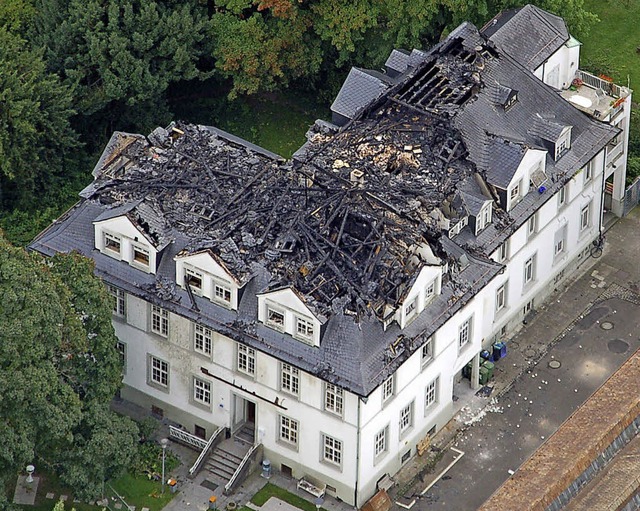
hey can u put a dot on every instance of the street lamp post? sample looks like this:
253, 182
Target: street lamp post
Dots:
163, 443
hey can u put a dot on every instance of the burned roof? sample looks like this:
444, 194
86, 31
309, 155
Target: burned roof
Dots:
344, 221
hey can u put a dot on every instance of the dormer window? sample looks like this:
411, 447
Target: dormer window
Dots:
512, 100
563, 144
140, 255
304, 328
222, 293
411, 307
194, 280
112, 243
514, 194
275, 318
430, 291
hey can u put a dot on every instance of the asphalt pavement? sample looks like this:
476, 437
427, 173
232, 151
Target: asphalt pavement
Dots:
577, 339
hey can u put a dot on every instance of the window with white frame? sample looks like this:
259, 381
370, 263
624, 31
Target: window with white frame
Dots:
288, 430
331, 450
431, 394
560, 241
532, 225
503, 252
514, 193
221, 293
203, 340
588, 172
201, 391
411, 307
426, 354
380, 442
290, 379
159, 372
194, 280
464, 333
388, 389
246, 360
585, 217
562, 196
501, 297
529, 269
430, 291
406, 419
121, 348
159, 321
112, 243
118, 301
333, 399
275, 318
304, 328
486, 215
140, 255
562, 146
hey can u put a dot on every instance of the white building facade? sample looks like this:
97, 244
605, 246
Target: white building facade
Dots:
341, 344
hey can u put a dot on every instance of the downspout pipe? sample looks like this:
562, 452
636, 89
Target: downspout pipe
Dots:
355, 494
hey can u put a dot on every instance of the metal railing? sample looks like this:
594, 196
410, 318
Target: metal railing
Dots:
613, 153
246, 460
598, 83
187, 438
205, 451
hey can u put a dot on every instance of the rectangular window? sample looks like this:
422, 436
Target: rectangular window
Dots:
246, 360
486, 216
561, 147
304, 328
140, 255
333, 397
515, 193
585, 217
201, 391
288, 430
430, 291
203, 340
331, 450
503, 253
427, 352
380, 442
275, 319
387, 389
501, 297
527, 308
464, 333
194, 280
406, 418
529, 270
159, 321
112, 243
588, 172
290, 379
222, 293
431, 394
118, 301
411, 307
532, 225
121, 348
562, 196
559, 241
159, 372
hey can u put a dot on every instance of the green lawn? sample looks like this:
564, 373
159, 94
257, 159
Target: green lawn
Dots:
271, 490
275, 121
137, 491
611, 44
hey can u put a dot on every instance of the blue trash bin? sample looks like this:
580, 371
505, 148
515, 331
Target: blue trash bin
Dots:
499, 350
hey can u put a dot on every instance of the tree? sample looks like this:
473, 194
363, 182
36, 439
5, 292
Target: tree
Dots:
58, 369
120, 50
35, 133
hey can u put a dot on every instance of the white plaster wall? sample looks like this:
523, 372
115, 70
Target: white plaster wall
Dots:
210, 269
567, 59
426, 276
291, 305
122, 226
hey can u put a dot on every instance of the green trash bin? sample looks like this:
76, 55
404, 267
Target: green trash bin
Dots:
484, 375
489, 367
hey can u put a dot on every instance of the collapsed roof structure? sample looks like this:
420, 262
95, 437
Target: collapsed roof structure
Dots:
349, 221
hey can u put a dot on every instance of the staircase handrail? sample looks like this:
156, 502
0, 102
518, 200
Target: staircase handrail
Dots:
186, 437
245, 460
205, 451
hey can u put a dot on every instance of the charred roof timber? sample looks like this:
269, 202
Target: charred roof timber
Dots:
351, 219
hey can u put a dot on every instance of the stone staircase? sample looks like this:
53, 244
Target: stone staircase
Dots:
226, 457
246, 435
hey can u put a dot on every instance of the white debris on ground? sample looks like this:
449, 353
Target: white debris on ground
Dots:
470, 416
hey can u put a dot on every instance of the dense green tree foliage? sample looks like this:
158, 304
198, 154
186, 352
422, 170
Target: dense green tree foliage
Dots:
58, 371
35, 133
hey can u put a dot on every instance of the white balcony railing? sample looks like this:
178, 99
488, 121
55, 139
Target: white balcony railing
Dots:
613, 153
